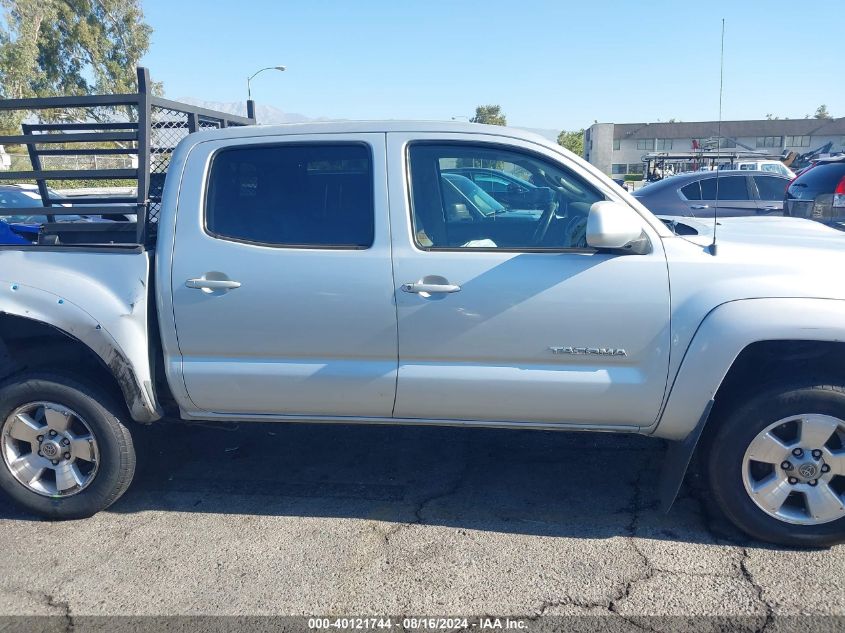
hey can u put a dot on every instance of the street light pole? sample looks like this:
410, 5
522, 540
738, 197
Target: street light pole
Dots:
257, 72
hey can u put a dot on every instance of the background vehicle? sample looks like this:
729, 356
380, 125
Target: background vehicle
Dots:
818, 193
694, 194
508, 189
337, 272
25, 226
770, 166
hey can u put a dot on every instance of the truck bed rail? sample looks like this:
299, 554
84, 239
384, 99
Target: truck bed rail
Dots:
146, 134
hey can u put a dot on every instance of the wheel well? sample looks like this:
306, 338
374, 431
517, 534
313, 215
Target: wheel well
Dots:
759, 366
764, 363
26, 344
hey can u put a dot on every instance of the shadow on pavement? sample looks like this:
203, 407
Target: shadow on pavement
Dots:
576, 485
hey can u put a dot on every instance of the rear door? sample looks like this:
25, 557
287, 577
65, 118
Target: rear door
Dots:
770, 193
281, 280
728, 195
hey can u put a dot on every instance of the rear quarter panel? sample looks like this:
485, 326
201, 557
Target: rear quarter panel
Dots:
99, 298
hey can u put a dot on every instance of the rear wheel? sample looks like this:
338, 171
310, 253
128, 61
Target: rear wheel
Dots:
776, 466
65, 454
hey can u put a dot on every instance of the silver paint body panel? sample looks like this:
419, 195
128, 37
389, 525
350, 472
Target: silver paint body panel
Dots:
329, 336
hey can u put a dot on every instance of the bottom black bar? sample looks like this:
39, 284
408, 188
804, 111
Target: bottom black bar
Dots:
610, 623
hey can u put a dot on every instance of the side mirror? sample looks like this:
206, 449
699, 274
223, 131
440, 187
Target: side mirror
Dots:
617, 226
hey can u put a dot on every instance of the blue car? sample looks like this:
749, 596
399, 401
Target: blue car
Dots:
24, 228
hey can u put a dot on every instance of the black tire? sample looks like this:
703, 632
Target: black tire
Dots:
103, 413
726, 450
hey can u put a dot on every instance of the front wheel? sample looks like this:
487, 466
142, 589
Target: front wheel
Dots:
65, 452
776, 466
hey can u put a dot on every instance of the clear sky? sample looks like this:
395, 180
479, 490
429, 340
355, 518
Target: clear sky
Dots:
552, 64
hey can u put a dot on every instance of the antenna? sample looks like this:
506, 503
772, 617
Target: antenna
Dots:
712, 248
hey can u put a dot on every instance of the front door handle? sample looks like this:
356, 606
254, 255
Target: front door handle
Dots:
700, 206
430, 289
213, 284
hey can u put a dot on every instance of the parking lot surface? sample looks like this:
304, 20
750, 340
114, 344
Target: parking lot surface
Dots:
340, 520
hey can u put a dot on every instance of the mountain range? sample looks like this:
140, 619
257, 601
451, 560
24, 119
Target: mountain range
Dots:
271, 115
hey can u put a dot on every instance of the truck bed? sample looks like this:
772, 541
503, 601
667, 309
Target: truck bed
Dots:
64, 138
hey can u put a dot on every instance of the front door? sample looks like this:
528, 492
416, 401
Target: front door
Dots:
504, 312
281, 279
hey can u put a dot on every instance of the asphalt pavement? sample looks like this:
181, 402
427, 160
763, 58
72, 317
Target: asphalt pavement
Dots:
342, 520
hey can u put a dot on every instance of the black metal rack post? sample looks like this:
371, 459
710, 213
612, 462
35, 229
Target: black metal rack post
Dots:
160, 124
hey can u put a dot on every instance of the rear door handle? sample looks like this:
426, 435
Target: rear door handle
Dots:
213, 284
421, 288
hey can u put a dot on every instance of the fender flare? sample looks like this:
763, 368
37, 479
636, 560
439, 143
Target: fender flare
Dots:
719, 340
69, 319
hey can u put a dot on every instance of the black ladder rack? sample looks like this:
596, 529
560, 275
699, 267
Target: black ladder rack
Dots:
158, 125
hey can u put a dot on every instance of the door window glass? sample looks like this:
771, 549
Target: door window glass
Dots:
730, 188
770, 187
543, 206
692, 191
318, 195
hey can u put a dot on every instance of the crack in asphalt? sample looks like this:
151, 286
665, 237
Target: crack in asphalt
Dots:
650, 570
709, 521
747, 576
51, 601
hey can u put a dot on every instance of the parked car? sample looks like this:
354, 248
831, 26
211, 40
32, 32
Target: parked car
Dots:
694, 194
770, 166
316, 272
23, 228
819, 193
508, 189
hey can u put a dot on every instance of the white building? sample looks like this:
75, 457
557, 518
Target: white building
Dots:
618, 148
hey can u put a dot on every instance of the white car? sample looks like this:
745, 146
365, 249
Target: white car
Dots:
772, 166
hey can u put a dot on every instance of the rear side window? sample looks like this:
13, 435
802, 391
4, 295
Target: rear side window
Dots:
771, 188
730, 188
317, 195
692, 191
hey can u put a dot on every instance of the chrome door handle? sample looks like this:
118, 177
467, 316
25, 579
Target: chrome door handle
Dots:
213, 284
700, 206
420, 288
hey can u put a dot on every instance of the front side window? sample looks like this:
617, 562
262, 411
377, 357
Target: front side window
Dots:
544, 205
729, 188
317, 195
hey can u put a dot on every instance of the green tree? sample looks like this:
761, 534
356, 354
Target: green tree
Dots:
69, 47
573, 141
489, 114
822, 113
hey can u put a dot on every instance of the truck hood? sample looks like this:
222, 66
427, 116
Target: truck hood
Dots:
758, 231
756, 257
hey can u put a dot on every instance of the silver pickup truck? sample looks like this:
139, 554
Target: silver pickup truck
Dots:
428, 274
